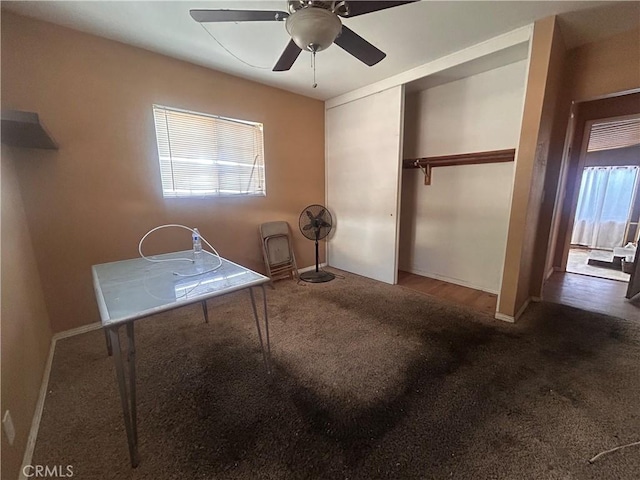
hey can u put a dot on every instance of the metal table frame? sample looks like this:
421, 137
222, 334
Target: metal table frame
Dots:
114, 348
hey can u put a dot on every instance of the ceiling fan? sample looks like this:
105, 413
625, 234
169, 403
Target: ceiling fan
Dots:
313, 26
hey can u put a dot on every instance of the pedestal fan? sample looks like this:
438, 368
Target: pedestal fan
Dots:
315, 224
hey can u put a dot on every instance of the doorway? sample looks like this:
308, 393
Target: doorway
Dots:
605, 230
597, 219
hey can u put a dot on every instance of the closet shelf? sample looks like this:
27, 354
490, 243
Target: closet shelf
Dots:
427, 163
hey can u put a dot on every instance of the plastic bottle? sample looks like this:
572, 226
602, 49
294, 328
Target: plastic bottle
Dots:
197, 245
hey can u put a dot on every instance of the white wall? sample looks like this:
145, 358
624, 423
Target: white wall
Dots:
456, 228
363, 164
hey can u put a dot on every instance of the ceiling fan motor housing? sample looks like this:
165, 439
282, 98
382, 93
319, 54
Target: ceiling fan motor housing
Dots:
313, 29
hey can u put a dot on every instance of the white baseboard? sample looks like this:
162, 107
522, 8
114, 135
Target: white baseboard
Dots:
311, 267
523, 308
509, 318
504, 318
444, 278
549, 273
37, 414
77, 331
42, 394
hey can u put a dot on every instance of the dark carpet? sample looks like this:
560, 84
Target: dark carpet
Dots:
370, 381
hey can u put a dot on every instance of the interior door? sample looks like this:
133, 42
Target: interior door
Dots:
634, 281
364, 159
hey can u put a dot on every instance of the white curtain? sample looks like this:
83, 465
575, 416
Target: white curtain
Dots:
604, 201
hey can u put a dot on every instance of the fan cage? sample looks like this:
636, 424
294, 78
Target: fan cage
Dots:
315, 223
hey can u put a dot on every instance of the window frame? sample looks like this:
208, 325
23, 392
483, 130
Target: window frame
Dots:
259, 125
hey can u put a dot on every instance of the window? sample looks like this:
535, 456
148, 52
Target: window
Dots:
206, 155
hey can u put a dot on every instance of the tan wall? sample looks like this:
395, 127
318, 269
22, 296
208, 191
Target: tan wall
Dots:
26, 333
543, 85
559, 123
602, 68
91, 201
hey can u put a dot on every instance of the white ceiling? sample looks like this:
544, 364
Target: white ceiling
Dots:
411, 35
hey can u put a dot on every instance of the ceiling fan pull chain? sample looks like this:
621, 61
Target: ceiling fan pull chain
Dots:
230, 52
313, 64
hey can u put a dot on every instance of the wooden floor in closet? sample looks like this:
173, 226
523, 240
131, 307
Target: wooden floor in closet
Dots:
475, 299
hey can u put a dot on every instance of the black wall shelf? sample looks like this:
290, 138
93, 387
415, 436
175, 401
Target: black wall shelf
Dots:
24, 129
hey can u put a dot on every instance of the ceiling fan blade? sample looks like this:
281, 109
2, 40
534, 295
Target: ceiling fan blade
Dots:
360, 7
288, 57
359, 47
204, 16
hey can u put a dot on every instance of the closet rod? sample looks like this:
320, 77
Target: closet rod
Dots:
427, 163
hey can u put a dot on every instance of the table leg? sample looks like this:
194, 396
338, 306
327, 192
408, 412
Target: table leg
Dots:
131, 350
205, 311
128, 403
109, 347
266, 352
266, 322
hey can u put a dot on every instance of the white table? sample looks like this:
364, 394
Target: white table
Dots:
129, 290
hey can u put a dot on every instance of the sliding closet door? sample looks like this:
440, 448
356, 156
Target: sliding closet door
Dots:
364, 155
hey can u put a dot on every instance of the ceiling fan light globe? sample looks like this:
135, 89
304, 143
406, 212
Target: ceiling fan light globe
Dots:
313, 29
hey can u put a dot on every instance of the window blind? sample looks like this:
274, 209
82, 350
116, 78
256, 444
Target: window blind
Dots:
206, 155
616, 134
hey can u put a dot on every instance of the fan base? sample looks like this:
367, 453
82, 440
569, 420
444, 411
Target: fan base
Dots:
317, 277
